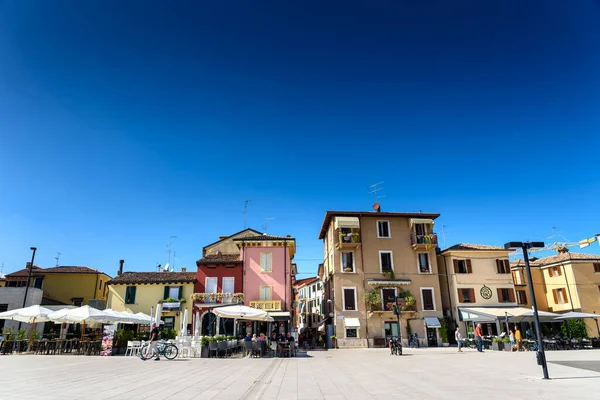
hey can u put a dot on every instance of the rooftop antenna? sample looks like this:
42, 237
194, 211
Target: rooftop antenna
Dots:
266, 224
444, 234
2, 270
174, 258
246, 211
374, 189
159, 267
57, 257
170, 246
166, 269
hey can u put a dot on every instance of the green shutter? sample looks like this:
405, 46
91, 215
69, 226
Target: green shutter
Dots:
132, 295
180, 292
166, 293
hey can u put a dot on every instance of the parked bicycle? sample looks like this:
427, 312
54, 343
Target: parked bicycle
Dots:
169, 350
413, 341
395, 346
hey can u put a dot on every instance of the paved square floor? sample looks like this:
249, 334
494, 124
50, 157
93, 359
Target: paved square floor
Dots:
338, 374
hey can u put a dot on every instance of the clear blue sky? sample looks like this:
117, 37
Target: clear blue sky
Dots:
124, 123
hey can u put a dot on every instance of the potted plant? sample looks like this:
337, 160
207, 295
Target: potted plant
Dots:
497, 344
373, 300
444, 332
333, 341
204, 342
506, 343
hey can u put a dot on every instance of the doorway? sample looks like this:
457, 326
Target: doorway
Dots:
432, 337
391, 329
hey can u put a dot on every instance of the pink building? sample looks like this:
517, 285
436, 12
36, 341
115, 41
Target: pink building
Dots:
268, 277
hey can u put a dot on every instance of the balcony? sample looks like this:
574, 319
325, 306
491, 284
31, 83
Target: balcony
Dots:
348, 239
212, 298
423, 240
266, 305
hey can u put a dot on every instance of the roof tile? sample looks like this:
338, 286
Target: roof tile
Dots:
560, 257
219, 259
153, 277
472, 247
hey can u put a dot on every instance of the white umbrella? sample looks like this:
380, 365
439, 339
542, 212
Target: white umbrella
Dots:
120, 316
158, 313
242, 312
145, 319
576, 315
544, 316
197, 324
184, 323
80, 315
29, 314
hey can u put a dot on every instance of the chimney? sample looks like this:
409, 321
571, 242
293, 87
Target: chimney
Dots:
223, 237
28, 265
121, 262
562, 249
183, 269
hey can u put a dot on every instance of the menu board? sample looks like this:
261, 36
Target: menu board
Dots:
108, 337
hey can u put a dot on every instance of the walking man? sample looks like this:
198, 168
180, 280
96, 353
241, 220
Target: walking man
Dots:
458, 337
154, 336
518, 338
479, 338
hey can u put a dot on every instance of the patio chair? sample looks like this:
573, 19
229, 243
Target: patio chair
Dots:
212, 346
129, 348
222, 348
257, 348
293, 349
248, 348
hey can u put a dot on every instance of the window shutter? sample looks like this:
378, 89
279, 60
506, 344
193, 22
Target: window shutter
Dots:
461, 298
132, 295
507, 266
564, 292
511, 295
472, 295
559, 271
180, 292
524, 296
499, 291
469, 267
499, 266
555, 296
550, 272
455, 262
166, 293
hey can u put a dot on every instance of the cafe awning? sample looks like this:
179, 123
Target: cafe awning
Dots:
280, 315
432, 322
351, 323
491, 314
346, 222
421, 221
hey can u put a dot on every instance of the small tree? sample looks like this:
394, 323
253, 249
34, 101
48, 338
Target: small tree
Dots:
577, 327
444, 330
373, 300
408, 329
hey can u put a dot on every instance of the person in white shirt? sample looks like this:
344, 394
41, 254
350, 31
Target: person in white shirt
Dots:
458, 337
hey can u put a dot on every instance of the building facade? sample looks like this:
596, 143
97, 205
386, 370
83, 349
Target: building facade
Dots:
309, 311
372, 261
563, 282
475, 276
142, 291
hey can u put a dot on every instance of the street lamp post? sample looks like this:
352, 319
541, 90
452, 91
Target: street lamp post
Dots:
525, 246
28, 279
397, 311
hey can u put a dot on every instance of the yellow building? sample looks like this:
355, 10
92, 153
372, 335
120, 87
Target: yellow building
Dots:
564, 282
72, 285
142, 291
370, 258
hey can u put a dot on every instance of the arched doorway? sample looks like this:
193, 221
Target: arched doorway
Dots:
226, 327
209, 324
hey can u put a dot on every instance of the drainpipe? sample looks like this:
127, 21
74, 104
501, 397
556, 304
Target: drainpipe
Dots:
448, 284
95, 286
364, 280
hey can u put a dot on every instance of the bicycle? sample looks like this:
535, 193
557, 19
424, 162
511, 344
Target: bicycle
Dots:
395, 346
169, 350
413, 341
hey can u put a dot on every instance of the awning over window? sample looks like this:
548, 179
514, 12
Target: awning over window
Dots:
432, 322
346, 222
279, 315
421, 221
351, 323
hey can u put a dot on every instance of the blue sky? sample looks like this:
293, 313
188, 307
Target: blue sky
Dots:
124, 124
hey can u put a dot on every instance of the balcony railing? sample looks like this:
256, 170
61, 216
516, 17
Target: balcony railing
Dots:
218, 298
348, 240
423, 239
266, 304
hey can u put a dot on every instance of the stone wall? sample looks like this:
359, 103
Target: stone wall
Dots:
13, 297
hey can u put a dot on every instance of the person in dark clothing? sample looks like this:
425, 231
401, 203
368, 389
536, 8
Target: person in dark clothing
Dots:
154, 337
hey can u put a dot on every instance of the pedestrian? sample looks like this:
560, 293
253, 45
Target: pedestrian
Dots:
518, 338
511, 336
458, 337
479, 338
154, 337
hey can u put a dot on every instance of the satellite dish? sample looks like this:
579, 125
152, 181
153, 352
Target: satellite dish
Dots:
166, 267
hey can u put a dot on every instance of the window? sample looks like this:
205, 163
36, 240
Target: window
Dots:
420, 229
554, 271
503, 266
462, 267
521, 297
130, 294
518, 277
174, 292
265, 262
427, 299
3, 307
424, 267
351, 332
266, 293
210, 285
560, 296
228, 287
383, 229
597, 267
169, 323
466, 295
349, 299
77, 301
388, 297
348, 262
385, 261
39, 282
506, 295
100, 286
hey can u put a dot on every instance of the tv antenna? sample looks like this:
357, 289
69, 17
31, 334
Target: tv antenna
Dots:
374, 189
166, 269
444, 234
174, 258
158, 267
57, 258
246, 211
170, 246
2, 270
266, 224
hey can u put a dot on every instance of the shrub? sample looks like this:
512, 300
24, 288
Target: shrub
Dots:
204, 341
577, 327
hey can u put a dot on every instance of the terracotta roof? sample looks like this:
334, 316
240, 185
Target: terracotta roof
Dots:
304, 281
227, 237
262, 237
473, 247
23, 272
57, 270
153, 277
557, 258
331, 214
219, 259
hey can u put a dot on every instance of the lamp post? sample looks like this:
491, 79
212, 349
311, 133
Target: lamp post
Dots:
33, 249
398, 311
525, 246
